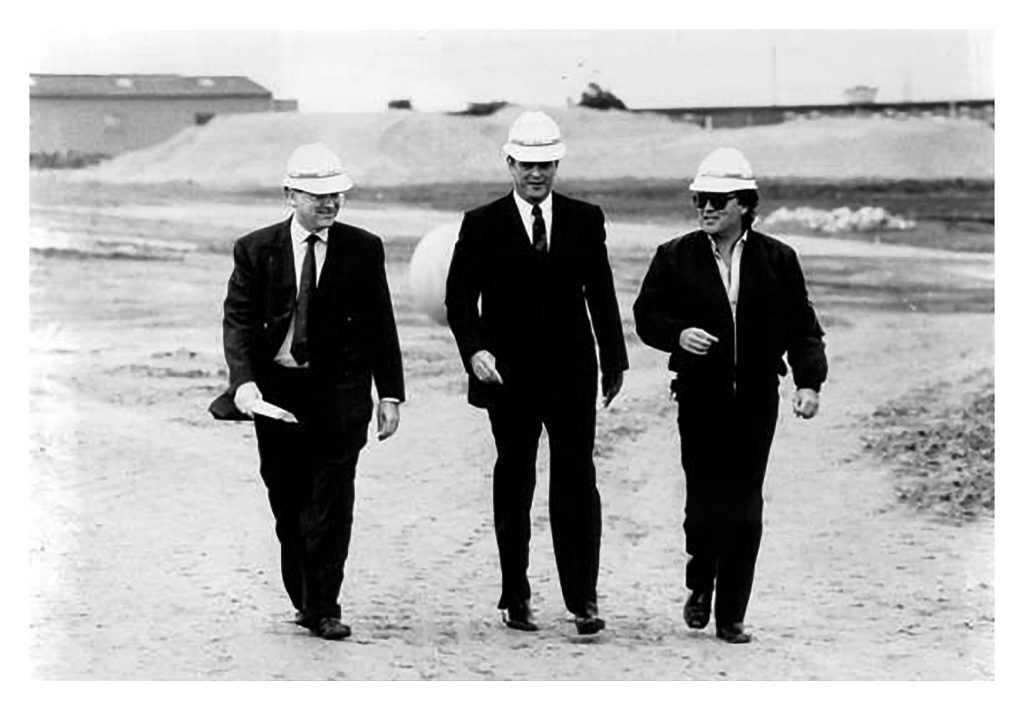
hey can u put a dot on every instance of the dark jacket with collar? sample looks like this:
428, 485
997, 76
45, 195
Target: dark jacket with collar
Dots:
774, 316
538, 315
355, 338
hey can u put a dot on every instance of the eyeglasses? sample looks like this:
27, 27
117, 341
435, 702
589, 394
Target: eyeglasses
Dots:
338, 198
717, 201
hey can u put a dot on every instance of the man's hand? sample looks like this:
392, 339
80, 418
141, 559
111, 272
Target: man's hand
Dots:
611, 383
484, 367
247, 396
387, 419
696, 340
805, 403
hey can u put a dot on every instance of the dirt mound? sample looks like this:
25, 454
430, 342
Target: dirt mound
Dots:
944, 456
248, 151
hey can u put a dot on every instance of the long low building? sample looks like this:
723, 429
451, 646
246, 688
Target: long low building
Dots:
104, 115
730, 117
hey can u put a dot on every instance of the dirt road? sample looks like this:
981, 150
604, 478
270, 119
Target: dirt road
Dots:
153, 554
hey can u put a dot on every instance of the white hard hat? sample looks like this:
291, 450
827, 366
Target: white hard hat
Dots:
723, 171
314, 168
534, 137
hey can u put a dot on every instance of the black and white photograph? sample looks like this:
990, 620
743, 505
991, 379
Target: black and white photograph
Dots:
483, 354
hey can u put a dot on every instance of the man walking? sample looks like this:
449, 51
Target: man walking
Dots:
525, 272
308, 324
727, 302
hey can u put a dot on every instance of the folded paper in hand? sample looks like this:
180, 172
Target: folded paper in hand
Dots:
269, 410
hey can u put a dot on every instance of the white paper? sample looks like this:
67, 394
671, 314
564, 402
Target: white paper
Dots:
269, 410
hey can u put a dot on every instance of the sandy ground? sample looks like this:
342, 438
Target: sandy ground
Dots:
152, 547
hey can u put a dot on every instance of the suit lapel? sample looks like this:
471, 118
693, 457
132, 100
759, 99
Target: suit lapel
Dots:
750, 270
281, 266
518, 239
339, 281
330, 272
559, 207
712, 278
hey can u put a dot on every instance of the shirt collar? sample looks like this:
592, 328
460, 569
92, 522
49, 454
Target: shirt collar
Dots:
526, 207
299, 233
714, 245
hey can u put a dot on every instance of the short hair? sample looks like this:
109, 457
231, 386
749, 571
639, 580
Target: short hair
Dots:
749, 199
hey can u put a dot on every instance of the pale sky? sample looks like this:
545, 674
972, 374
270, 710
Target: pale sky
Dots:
361, 69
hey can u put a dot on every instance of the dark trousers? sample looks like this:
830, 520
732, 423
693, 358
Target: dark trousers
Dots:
574, 502
310, 482
725, 442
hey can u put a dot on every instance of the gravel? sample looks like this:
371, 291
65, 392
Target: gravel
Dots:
943, 455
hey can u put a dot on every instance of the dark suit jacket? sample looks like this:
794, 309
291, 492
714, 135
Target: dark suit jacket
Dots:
533, 309
355, 338
683, 288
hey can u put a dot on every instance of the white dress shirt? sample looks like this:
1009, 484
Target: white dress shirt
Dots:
526, 213
299, 235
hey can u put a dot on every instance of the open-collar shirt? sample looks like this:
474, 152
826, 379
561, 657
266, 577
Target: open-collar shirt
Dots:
729, 269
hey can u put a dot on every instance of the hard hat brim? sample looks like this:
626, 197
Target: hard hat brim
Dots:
320, 186
535, 154
711, 184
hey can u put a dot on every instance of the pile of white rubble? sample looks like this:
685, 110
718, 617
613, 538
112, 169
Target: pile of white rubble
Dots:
865, 219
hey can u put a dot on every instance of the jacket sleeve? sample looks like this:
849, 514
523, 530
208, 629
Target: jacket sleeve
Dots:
805, 345
386, 351
462, 291
241, 319
599, 290
658, 319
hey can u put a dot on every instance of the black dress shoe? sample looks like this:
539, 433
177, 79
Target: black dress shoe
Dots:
331, 629
519, 616
697, 609
732, 633
589, 624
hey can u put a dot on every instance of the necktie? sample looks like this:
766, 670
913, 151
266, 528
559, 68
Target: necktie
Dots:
540, 237
307, 285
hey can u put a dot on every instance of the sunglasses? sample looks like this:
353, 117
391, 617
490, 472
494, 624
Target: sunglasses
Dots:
717, 201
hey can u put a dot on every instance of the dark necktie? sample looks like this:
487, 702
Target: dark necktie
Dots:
307, 285
540, 236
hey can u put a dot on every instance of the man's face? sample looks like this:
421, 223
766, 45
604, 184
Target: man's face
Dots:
719, 213
315, 212
533, 181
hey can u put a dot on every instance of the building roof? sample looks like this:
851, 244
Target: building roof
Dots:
148, 86
877, 105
